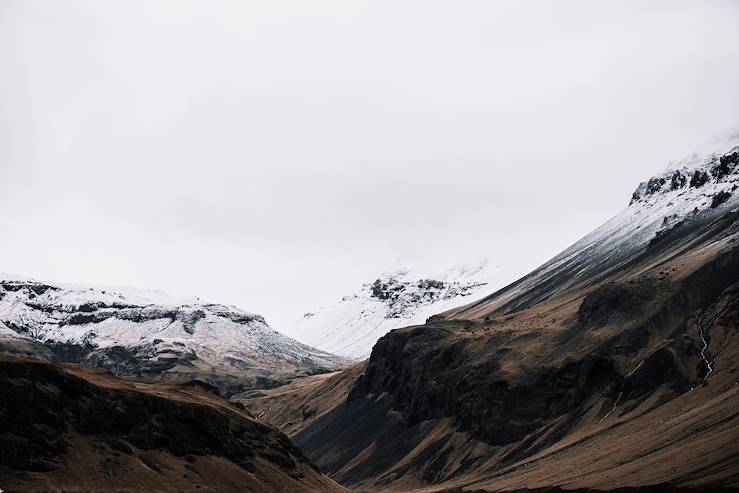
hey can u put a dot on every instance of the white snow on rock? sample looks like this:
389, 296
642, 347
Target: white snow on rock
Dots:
397, 298
153, 327
700, 186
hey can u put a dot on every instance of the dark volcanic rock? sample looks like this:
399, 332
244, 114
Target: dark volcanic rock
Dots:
699, 178
678, 180
654, 185
612, 299
430, 379
725, 165
720, 198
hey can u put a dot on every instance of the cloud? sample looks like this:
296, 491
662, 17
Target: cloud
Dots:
276, 154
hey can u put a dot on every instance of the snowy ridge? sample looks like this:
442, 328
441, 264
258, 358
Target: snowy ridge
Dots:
147, 333
705, 183
397, 298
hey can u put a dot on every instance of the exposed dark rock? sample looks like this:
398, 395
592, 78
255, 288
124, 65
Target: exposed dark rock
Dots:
699, 178
614, 299
720, 198
88, 317
725, 165
189, 319
32, 287
88, 307
678, 180
427, 284
385, 290
654, 185
402, 296
430, 380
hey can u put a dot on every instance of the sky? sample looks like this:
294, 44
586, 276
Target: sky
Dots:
276, 155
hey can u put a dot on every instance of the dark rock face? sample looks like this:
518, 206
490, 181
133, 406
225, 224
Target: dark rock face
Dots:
431, 378
718, 169
427, 284
189, 319
387, 289
725, 165
614, 299
401, 296
36, 288
96, 313
699, 179
650, 187
678, 180
654, 185
720, 198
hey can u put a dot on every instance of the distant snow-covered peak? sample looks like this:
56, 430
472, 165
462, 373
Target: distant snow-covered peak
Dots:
398, 297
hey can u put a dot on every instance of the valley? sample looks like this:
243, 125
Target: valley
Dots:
612, 367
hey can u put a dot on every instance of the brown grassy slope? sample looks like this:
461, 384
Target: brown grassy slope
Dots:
296, 405
72, 428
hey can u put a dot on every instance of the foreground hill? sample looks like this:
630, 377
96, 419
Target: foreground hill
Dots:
614, 365
150, 334
73, 428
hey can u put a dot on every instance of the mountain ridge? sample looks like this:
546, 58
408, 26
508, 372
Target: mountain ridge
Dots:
150, 334
613, 365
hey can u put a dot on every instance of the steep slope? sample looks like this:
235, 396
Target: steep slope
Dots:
397, 298
149, 334
295, 406
693, 192
72, 428
613, 365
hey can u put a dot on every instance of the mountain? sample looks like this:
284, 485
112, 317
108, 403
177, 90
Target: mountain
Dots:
75, 428
614, 366
397, 298
150, 334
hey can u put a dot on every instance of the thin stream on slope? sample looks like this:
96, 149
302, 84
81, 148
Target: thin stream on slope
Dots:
703, 333
621, 392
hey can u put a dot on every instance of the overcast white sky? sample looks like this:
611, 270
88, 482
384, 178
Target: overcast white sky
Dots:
277, 154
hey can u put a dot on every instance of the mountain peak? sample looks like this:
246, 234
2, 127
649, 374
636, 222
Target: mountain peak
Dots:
716, 168
400, 296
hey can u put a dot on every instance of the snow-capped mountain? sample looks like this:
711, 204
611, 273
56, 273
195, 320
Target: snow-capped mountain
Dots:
617, 339
397, 298
697, 189
705, 182
152, 334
